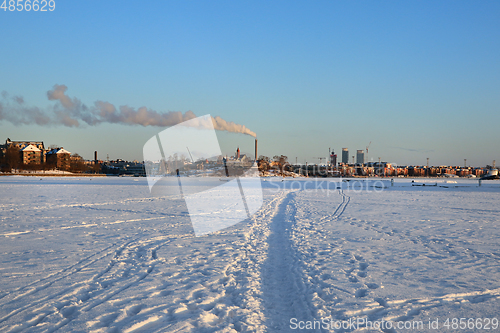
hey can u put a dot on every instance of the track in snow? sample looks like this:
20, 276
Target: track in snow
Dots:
285, 295
283, 290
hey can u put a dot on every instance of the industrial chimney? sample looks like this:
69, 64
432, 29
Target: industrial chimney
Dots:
256, 156
95, 156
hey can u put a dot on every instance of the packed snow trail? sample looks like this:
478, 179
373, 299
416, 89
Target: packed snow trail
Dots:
283, 289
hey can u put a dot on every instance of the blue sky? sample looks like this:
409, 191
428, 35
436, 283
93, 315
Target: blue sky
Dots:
417, 79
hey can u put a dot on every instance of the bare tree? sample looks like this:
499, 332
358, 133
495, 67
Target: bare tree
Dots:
13, 157
263, 163
281, 162
76, 163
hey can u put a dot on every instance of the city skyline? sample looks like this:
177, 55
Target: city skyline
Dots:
417, 80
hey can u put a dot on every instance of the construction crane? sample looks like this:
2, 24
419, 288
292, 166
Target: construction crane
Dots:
367, 150
320, 159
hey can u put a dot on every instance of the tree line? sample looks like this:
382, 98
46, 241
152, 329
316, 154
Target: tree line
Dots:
11, 162
278, 162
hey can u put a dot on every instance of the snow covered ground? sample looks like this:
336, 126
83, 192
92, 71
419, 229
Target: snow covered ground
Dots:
104, 255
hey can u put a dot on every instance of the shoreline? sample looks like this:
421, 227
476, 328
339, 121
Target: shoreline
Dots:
55, 175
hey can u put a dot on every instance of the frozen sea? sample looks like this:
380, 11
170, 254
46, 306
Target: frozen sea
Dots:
105, 255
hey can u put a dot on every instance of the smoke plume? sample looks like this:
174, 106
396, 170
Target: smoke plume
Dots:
72, 112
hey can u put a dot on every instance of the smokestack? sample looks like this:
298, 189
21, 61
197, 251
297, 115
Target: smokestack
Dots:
95, 156
256, 156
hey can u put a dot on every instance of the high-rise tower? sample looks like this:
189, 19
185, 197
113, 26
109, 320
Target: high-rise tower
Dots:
345, 155
360, 156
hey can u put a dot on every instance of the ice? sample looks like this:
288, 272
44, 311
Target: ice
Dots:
103, 254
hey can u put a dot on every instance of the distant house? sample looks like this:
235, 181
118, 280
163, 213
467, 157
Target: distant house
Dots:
136, 168
241, 161
3, 150
23, 144
31, 152
238, 159
59, 158
31, 155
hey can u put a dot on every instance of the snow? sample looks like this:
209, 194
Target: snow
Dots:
58, 151
104, 255
30, 148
